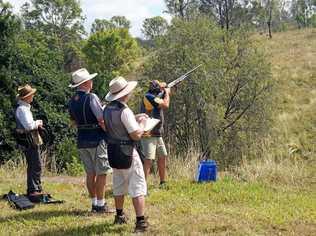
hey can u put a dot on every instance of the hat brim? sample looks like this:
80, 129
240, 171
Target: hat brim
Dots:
131, 85
27, 95
90, 78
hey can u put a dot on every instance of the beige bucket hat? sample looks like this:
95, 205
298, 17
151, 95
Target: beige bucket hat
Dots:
119, 87
80, 76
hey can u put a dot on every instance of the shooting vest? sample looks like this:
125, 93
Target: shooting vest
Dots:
89, 131
151, 108
25, 138
120, 145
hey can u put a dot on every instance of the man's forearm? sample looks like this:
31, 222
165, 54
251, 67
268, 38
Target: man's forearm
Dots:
166, 99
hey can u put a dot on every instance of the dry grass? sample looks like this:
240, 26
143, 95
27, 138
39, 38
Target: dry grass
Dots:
290, 150
184, 167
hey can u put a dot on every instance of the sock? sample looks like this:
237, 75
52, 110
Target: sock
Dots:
119, 212
140, 218
100, 202
94, 201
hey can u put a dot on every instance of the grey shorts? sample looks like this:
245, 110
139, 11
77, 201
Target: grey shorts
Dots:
153, 145
95, 160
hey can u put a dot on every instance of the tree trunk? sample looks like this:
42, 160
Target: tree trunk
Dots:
270, 18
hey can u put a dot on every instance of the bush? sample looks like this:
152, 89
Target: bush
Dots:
223, 108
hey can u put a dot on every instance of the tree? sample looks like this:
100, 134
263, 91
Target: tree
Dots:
26, 56
269, 5
303, 12
154, 27
110, 53
223, 108
223, 11
114, 23
9, 29
101, 25
120, 22
181, 8
62, 18
62, 23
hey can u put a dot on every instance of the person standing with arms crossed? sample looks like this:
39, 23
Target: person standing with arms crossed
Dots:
87, 114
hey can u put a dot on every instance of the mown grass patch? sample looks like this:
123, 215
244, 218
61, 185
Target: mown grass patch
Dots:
228, 206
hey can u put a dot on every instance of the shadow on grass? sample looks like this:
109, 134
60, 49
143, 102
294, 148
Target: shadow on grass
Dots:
104, 228
42, 216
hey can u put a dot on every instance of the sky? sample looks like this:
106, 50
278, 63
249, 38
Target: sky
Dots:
134, 10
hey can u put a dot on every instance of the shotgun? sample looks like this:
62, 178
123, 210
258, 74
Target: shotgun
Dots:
178, 80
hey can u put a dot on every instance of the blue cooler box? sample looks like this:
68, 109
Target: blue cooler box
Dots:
206, 171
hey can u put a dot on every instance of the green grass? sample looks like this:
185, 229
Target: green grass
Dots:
186, 208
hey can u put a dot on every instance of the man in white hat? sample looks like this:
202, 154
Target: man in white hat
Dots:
123, 130
27, 137
86, 112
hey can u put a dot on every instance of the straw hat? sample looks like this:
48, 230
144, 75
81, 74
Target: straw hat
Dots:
80, 76
119, 87
25, 91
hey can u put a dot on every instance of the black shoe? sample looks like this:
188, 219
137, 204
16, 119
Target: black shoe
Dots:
122, 219
141, 226
163, 185
102, 209
94, 208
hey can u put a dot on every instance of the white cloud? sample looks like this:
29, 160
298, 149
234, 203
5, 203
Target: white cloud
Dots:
134, 10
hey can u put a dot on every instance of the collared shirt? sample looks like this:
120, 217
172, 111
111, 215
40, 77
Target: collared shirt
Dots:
128, 119
25, 117
95, 105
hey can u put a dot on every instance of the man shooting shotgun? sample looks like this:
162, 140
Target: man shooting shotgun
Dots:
155, 101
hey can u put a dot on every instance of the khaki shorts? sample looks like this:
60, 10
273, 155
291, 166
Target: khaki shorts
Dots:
131, 181
152, 145
95, 160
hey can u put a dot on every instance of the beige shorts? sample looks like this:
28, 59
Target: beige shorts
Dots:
152, 145
95, 160
130, 181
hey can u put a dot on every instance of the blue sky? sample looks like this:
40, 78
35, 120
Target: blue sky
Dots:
134, 10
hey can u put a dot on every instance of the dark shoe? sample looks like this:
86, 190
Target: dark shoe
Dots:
120, 219
163, 185
102, 209
94, 208
35, 197
141, 226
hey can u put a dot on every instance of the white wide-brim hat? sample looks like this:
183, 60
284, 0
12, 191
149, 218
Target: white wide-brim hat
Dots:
119, 87
80, 76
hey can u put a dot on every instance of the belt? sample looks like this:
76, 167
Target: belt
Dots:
93, 126
24, 131
121, 142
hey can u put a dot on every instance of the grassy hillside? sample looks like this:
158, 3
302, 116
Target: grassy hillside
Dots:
274, 196
293, 59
